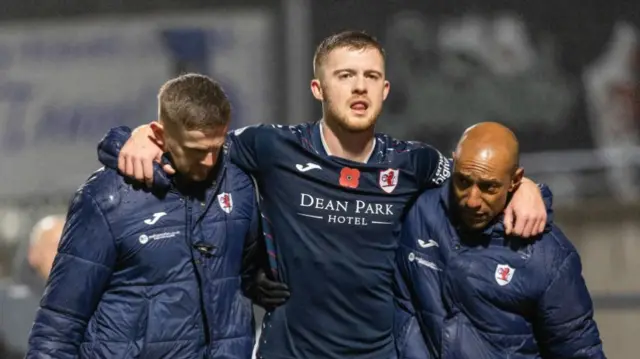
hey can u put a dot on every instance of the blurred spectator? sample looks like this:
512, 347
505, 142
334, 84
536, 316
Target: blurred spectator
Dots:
42, 249
20, 296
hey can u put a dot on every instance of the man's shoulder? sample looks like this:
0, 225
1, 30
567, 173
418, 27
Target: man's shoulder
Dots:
428, 206
110, 190
269, 141
553, 248
555, 240
417, 153
271, 130
431, 198
401, 145
102, 183
238, 179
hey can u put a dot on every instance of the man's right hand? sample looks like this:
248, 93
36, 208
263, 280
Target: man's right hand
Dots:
138, 154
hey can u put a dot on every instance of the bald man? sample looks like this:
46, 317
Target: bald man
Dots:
477, 293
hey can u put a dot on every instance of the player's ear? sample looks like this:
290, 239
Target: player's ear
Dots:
516, 179
316, 89
158, 132
387, 87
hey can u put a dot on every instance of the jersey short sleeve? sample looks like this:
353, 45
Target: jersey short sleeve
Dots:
249, 147
431, 168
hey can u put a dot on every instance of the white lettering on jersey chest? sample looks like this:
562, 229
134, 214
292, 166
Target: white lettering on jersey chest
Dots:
358, 212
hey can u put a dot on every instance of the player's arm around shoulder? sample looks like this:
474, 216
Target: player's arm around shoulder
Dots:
564, 326
136, 154
430, 167
81, 271
110, 145
252, 147
527, 213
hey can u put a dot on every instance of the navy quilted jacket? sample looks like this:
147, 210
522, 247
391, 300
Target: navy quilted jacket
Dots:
150, 274
488, 296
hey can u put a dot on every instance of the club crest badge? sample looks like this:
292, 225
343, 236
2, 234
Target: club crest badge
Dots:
388, 180
226, 202
504, 274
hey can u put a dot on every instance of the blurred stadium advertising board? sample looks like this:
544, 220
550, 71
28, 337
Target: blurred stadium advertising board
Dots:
63, 84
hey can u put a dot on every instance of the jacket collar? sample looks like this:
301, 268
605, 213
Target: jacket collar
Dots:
164, 182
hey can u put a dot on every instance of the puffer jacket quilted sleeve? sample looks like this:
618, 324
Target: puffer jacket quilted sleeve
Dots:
565, 327
80, 273
420, 335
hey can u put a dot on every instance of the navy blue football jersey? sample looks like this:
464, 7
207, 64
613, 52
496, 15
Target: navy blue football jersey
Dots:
329, 224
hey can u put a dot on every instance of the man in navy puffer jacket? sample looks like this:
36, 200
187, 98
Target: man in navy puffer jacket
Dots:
157, 273
477, 293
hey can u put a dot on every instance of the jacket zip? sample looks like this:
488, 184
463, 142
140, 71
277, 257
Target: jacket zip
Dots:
196, 263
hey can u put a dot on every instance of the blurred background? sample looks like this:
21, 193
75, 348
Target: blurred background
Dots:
563, 74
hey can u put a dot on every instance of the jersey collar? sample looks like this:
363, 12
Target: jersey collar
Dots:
321, 147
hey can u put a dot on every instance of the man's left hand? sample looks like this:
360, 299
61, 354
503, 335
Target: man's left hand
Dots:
528, 210
270, 294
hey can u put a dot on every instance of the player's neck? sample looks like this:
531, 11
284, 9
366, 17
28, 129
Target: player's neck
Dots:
356, 147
